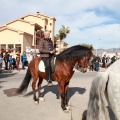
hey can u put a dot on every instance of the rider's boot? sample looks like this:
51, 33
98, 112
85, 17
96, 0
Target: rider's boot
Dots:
48, 77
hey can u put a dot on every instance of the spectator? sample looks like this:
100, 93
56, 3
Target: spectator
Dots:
116, 56
24, 60
14, 63
1, 54
10, 62
6, 60
35, 55
108, 61
17, 59
92, 64
113, 59
1, 61
97, 66
31, 56
104, 61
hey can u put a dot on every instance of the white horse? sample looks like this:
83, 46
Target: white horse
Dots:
105, 88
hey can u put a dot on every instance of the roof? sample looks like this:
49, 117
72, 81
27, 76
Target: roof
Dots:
15, 30
38, 15
22, 21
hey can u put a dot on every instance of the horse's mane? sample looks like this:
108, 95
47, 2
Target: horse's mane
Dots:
73, 51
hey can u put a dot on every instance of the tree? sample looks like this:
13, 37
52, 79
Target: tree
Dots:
62, 34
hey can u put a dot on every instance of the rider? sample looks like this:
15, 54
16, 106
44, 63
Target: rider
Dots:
47, 50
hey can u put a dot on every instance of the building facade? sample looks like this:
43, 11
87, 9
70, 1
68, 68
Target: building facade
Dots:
25, 32
60, 46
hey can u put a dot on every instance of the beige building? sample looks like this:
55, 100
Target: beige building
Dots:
46, 22
60, 46
14, 39
25, 32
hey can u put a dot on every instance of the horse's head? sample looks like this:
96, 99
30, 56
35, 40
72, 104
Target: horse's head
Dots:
83, 62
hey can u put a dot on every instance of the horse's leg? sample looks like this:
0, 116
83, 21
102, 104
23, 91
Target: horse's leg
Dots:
66, 90
33, 87
39, 87
62, 93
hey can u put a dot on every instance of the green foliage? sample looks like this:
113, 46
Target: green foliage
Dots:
62, 33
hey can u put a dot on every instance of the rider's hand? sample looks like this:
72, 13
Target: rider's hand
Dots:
52, 51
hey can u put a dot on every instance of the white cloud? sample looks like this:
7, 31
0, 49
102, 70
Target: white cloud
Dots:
89, 20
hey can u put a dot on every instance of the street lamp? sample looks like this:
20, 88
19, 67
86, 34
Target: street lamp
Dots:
96, 47
36, 31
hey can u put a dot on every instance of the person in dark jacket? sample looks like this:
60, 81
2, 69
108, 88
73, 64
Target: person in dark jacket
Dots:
6, 60
1, 54
104, 61
97, 65
47, 51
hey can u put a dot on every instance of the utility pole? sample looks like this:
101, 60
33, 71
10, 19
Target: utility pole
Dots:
96, 47
36, 31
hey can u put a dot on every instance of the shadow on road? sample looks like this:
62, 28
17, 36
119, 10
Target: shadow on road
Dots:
11, 92
54, 89
5, 74
76, 90
45, 89
1, 82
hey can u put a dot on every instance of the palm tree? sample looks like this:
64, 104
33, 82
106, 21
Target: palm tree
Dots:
62, 34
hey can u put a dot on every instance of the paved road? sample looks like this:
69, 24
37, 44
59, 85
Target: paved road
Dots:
23, 108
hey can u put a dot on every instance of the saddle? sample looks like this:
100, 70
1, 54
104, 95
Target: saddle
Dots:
42, 66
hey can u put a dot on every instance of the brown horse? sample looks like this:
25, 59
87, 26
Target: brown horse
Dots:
63, 71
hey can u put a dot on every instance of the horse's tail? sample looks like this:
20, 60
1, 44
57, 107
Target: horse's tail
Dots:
97, 102
24, 85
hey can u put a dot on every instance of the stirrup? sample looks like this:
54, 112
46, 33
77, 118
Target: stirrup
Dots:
49, 83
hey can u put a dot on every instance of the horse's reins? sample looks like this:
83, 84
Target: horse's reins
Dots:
85, 59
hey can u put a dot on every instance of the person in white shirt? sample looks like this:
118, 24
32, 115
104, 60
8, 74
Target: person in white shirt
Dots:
31, 56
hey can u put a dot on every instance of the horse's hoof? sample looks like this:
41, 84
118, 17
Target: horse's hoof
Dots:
66, 111
68, 108
36, 102
42, 99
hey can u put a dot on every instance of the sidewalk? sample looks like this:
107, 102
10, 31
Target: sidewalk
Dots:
23, 108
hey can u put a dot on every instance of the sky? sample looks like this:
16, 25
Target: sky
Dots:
90, 21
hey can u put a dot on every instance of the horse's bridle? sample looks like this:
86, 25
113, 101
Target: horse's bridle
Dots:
82, 68
85, 59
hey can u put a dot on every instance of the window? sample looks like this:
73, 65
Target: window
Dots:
10, 46
45, 27
50, 24
18, 47
46, 22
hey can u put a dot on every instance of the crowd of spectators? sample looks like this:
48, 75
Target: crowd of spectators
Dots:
12, 61
104, 62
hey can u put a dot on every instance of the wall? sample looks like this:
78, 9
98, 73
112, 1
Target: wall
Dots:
27, 39
9, 37
41, 20
22, 26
